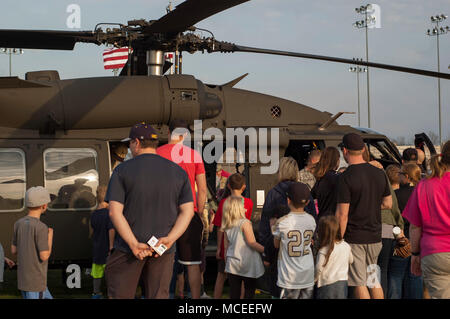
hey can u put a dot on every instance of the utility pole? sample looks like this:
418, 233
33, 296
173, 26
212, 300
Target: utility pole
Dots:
357, 69
368, 21
11, 52
437, 31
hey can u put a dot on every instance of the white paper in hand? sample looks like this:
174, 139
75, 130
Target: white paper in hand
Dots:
160, 249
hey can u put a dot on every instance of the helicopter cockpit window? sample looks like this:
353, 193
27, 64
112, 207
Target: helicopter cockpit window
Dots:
381, 152
71, 177
12, 179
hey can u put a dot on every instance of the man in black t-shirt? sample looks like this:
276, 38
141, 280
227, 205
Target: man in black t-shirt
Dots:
363, 190
148, 196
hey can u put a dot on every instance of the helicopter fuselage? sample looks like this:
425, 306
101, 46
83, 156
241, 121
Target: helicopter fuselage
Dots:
62, 134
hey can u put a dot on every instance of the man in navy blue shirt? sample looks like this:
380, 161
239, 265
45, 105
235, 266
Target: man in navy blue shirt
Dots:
148, 196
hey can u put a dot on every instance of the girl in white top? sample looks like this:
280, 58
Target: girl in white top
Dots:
333, 260
243, 262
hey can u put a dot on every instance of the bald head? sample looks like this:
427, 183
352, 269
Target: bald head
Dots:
420, 156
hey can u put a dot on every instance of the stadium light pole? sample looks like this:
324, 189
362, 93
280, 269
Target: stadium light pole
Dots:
368, 21
357, 69
437, 31
10, 52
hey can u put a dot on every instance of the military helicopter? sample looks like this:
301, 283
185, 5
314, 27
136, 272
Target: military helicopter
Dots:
65, 134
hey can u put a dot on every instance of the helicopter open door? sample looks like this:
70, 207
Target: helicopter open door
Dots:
423, 142
300, 149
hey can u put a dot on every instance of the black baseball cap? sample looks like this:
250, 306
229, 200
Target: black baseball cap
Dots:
410, 154
298, 193
352, 142
142, 131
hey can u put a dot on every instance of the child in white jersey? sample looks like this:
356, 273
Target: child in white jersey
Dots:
243, 262
293, 234
333, 260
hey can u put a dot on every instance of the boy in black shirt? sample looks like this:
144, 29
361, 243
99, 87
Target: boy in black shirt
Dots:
102, 240
363, 190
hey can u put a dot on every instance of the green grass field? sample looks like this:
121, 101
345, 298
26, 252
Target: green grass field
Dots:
59, 289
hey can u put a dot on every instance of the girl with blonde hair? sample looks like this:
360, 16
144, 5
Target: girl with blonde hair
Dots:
242, 259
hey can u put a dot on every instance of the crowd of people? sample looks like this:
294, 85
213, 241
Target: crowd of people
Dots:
363, 231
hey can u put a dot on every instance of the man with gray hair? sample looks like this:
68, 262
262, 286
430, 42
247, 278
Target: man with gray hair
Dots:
32, 243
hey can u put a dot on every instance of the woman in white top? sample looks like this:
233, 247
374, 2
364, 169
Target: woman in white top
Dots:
333, 260
243, 262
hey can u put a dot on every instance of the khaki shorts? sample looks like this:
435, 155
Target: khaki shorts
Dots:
436, 275
364, 272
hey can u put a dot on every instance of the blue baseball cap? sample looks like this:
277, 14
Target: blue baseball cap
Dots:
142, 131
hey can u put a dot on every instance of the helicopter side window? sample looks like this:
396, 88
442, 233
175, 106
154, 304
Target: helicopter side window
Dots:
71, 177
12, 179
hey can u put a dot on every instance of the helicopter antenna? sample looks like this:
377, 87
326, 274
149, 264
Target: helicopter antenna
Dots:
169, 7
334, 118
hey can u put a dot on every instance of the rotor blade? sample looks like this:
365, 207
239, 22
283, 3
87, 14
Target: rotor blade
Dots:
189, 13
229, 47
44, 39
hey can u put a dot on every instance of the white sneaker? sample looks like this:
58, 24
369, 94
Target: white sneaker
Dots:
205, 296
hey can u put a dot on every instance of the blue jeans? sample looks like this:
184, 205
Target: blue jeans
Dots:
36, 295
402, 283
337, 290
384, 258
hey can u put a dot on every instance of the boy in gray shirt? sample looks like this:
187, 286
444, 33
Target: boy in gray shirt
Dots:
32, 242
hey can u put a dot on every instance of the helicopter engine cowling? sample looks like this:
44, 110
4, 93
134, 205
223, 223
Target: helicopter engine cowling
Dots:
107, 102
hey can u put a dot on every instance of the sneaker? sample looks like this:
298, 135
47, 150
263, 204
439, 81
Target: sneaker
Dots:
97, 296
205, 296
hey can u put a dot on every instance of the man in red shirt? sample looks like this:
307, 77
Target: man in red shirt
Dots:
189, 244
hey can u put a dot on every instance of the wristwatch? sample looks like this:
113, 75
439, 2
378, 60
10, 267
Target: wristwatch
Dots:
416, 253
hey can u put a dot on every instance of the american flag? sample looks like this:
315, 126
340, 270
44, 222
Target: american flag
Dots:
115, 58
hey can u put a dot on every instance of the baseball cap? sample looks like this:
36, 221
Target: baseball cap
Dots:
37, 196
352, 141
410, 154
142, 131
298, 192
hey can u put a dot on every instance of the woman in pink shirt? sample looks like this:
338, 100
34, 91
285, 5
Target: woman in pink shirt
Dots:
428, 211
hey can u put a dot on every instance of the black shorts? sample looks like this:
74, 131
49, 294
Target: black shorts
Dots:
189, 245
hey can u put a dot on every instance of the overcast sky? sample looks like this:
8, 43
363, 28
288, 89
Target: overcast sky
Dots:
401, 104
